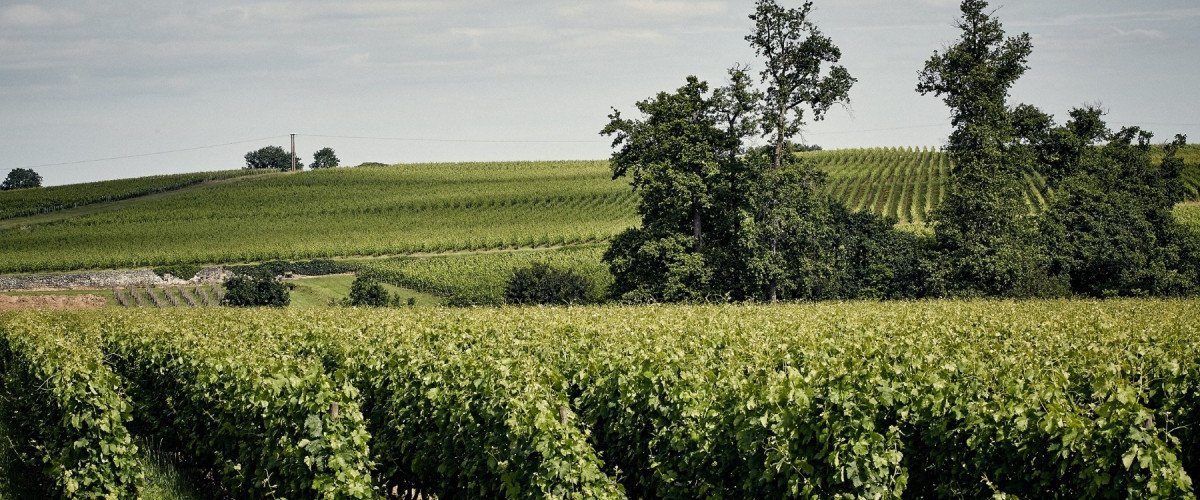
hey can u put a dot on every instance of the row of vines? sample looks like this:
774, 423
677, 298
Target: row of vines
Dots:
962, 399
21, 202
366, 211
429, 208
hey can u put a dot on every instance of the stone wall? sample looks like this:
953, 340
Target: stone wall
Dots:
106, 279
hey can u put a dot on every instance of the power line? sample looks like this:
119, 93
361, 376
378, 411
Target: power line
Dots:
878, 129
414, 139
141, 155
497, 141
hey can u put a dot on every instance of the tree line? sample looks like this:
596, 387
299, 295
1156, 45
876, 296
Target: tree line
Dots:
276, 158
724, 219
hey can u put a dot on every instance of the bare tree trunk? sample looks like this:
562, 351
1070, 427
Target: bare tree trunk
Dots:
697, 229
773, 284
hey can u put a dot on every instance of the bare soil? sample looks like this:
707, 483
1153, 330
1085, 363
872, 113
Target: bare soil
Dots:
57, 302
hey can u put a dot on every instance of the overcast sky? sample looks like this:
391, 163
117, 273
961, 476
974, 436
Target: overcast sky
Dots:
90, 79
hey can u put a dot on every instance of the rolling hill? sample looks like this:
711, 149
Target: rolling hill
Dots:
400, 210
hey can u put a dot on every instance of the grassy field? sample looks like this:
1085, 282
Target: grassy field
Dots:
427, 208
319, 291
1188, 213
480, 278
1074, 399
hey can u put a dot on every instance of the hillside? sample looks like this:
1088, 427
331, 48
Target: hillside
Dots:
338, 212
21, 202
405, 209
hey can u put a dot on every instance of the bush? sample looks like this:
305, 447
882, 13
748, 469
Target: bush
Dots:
540, 283
325, 158
21, 178
181, 271
271, 157
369, 292
245, 290
315, 267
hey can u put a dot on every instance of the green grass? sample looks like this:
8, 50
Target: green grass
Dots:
481, 278
424, 208
22, 202
1188, 213
317, 292
164, 481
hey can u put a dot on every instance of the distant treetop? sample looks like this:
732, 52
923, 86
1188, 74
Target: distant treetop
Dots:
21, 178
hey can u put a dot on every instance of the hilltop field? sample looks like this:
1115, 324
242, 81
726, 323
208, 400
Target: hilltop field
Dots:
402, 210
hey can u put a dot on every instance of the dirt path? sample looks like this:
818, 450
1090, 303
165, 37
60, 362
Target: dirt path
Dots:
57, 302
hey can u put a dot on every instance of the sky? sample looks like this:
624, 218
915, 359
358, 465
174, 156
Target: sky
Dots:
488, 80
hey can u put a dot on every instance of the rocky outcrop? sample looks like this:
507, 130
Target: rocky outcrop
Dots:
106, 279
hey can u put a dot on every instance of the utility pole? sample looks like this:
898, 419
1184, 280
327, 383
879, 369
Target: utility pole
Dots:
293, 152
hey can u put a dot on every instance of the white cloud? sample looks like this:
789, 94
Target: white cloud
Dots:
676, 8
31, 15
1141, 33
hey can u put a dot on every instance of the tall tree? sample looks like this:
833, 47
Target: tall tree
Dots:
1109, 227
324, 158
801, 74
271, 157
673, 157
982, 235
21, 178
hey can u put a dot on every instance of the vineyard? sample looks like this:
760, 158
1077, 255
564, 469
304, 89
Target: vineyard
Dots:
171, 296
427, 208
21, 202
908, 183
960, 399
338, 212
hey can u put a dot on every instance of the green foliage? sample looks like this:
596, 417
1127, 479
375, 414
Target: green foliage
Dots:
21, 178
720, 221
181, 271
541, 283
984, 241
267, 420
1110, 226
271, 157
250, 290
314, 267
324, 158
368, 211
1188, 214
67, 410
800, 71
1078, 399
647, 269
367, 291
19, 203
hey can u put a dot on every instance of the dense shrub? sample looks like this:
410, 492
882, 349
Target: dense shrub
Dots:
368, 291
181, 271
540, 283
315, 267
248, 290
271, 157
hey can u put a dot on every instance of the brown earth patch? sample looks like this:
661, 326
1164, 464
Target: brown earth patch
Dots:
23, 302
